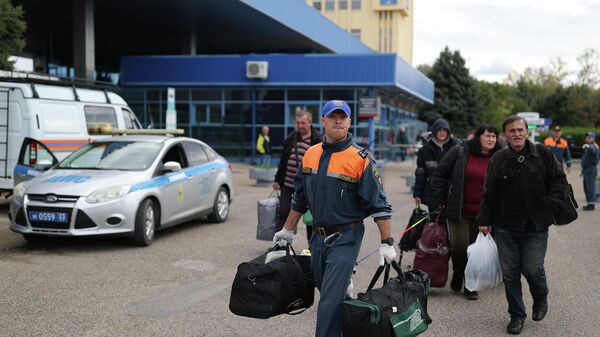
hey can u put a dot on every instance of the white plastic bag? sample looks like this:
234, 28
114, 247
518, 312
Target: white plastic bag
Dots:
483, 269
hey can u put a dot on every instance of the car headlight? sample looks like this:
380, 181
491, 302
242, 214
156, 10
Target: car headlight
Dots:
19, 191
108, 194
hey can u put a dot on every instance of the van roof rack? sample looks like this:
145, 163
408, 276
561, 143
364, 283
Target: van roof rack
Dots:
31, 77
158, 132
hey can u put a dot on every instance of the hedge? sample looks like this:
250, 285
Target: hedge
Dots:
577, 132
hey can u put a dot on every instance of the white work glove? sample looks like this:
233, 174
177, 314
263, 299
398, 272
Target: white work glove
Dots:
387, 254
283, 237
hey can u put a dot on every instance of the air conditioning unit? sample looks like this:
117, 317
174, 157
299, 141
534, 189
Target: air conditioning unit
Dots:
257, 69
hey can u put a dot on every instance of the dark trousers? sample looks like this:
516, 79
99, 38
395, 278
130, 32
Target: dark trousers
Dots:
589, 184
462, 234
332, 265
285, 203
522, 253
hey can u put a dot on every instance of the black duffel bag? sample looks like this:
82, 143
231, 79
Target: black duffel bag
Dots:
283, 285
398, 309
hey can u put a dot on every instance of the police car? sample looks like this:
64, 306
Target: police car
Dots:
118, 185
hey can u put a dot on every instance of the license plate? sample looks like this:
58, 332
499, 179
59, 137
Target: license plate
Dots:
56, 217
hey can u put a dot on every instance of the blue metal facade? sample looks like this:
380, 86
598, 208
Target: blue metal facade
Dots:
306, 70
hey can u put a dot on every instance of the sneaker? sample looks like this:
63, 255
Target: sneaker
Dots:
589, 207
472, 295
457, 282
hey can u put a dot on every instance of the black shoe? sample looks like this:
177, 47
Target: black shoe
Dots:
472, 295
540, 308
589, 207
457, 282
515, 326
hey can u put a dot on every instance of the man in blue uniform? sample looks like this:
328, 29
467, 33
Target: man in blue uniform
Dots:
339, 182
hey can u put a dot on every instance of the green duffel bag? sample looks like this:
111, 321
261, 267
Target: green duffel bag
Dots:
391, 311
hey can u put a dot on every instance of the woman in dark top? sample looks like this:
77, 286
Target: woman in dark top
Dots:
458, 186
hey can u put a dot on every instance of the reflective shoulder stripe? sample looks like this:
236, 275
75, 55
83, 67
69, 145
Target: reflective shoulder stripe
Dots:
347, 163
311, 157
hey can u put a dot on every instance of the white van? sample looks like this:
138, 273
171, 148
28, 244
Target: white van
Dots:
62, 115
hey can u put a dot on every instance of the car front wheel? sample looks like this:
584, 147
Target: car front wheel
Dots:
220, 206
145, 223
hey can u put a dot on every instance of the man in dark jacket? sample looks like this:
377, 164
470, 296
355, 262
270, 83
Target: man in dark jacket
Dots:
294, 147
524, 186
428, 159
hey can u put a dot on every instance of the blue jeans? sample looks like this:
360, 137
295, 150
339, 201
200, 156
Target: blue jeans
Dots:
589, 184
332, 266
522, 253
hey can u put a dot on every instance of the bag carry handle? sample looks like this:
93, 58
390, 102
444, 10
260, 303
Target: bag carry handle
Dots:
385, 268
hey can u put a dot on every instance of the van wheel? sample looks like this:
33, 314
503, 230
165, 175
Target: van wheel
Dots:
145, 224
220, 206
35, 239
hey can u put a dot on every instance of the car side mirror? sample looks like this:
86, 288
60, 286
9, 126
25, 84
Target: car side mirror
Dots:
171, 166
43, 164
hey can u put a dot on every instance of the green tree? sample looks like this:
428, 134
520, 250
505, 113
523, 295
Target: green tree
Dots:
455, 94
12, 28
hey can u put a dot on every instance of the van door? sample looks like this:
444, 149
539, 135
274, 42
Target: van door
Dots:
34, 159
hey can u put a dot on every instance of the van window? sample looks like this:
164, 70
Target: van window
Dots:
131, 121
60, 118
100, 119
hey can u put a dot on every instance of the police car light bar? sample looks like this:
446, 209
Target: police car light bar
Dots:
146, 132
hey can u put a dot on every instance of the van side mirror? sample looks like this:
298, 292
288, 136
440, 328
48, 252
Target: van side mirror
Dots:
171, 166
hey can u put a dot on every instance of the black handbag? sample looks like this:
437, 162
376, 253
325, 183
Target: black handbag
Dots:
398, 309
283, 285
410, 238
567, 211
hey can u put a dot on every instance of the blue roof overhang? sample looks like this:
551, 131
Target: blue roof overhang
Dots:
297, 16
310, 70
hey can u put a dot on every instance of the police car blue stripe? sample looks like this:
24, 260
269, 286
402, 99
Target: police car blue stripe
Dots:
167, 180
27, 171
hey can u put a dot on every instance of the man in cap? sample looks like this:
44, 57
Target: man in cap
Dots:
559, 147
428, 158
589, 160
340, 184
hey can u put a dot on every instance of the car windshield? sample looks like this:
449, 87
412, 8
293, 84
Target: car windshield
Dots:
119, 155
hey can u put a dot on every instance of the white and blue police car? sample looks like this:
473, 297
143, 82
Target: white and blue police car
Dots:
119, 185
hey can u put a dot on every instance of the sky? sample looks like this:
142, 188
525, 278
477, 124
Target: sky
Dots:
497, 36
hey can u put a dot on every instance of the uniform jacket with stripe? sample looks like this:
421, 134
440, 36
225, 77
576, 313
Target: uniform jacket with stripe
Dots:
560, 149
339, 185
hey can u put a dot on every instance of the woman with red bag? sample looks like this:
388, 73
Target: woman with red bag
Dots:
458, 187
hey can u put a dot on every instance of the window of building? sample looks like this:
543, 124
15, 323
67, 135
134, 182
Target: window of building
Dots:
355, 33
317, 5
343, 4
356, 4
329, 5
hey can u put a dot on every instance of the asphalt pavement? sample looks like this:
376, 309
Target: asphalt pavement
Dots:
180, 285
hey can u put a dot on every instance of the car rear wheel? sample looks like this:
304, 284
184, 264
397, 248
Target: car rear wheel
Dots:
220, 206
145, 223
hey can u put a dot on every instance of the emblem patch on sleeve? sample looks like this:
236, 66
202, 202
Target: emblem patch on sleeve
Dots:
376, 174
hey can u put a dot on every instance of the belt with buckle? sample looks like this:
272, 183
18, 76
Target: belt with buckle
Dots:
328, 230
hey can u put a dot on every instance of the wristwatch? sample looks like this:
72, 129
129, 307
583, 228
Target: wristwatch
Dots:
389, 241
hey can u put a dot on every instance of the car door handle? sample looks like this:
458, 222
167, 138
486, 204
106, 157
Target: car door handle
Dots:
213, 170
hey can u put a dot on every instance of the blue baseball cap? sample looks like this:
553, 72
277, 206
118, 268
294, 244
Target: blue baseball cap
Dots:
591, 133
334, 105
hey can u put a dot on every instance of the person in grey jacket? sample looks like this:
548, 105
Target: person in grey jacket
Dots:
428, 157
458, 187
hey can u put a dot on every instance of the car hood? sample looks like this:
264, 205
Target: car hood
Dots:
81, 182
